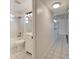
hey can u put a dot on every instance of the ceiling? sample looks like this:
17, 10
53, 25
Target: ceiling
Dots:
62, 9
20, 7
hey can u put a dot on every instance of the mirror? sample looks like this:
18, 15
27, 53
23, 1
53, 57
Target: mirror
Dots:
21, 29
39, 30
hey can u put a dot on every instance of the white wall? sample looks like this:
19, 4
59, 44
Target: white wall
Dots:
19, 25
14, 28
43, 29
28, 26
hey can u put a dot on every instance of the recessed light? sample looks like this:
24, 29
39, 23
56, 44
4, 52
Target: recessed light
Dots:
26, 22
26, 18
55, 20
56, 5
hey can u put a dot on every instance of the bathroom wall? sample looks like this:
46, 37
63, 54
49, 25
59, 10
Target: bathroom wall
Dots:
62, 24
28, 26
43, 30
25, 27
20, 25
14, 24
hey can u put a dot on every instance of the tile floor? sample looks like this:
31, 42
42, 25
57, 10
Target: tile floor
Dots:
19, 53
59, 50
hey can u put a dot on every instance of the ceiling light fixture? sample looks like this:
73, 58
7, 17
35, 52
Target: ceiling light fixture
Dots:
56, 5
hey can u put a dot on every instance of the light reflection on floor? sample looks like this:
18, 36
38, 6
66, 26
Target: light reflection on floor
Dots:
59, 50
